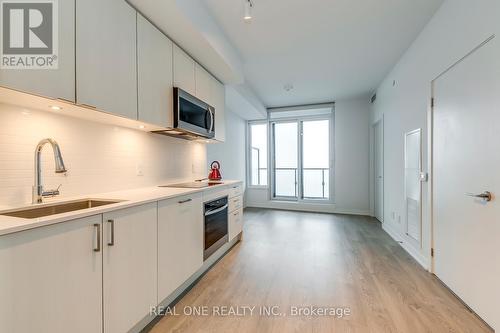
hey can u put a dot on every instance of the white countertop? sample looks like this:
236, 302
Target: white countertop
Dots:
128, 198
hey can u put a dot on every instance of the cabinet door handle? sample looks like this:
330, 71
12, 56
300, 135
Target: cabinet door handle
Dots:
97, 228
65, 100
88, 106
185, 201
111, 232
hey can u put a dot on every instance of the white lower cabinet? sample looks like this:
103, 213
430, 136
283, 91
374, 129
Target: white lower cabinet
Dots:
104, 273
180, 241
235, 219
129, 266
51, 279
235, 223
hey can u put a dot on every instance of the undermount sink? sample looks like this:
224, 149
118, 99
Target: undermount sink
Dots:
58, 208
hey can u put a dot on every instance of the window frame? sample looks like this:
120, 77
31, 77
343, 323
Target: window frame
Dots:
249, 152
271, 160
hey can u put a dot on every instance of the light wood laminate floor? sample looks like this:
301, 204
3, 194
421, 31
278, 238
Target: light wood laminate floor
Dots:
305, 259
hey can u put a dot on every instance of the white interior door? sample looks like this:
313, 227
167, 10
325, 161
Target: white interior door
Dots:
467, 159
378, 164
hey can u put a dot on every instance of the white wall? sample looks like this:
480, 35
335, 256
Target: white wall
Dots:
352, 164
99, 157
352, 156
231, 153
457, 28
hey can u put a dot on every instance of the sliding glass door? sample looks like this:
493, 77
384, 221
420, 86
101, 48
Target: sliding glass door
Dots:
301, 152
316, 159
286, 160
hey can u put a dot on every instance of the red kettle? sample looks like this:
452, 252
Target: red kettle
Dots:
215, 171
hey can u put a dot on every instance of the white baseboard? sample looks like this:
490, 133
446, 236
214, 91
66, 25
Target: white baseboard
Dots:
309, 207
353, 212
400, 239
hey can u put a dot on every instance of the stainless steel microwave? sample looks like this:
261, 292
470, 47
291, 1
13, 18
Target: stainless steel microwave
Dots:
193, 115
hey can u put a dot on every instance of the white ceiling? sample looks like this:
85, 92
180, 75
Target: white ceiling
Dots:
327, 49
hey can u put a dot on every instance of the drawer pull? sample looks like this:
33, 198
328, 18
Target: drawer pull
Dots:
185, 201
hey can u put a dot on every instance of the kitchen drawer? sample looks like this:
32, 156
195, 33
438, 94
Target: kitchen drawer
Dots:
236, 190
235, 223
235, 203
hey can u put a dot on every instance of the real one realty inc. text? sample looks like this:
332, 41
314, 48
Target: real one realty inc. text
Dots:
244, 311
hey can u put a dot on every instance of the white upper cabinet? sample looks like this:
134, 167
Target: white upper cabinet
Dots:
212, 92
219, 97
204, 85
154, 69
106, 73
129, 266
51, 279
184, 71
53, 83
180, 241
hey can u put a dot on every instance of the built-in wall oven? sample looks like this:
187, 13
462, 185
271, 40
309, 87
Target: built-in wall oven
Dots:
216, 221
193, 115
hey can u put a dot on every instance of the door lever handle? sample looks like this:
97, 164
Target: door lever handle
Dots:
486, 196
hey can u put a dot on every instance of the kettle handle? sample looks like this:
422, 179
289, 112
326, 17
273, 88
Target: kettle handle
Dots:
215, 163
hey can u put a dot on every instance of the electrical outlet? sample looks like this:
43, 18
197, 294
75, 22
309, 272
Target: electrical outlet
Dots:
393, 215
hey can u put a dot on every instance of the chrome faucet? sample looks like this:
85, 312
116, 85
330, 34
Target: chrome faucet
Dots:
38, 192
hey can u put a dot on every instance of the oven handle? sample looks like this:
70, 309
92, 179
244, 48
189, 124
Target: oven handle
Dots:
215, 211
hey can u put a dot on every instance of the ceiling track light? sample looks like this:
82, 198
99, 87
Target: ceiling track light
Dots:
248, 10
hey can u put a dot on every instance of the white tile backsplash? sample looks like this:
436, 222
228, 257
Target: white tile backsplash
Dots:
99, 158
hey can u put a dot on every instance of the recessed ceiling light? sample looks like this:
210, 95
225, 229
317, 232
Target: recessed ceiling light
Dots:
55, 107
142, 126
248, 11
26, 113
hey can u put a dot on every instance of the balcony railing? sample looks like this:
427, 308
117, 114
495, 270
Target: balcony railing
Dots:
324, 174
294, 179
259, 170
